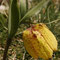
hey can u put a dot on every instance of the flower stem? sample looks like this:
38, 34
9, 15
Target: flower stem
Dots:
8, 42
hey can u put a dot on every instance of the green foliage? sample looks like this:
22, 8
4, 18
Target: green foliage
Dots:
23, 7
3, 20
45, 11
34, 10
13, 18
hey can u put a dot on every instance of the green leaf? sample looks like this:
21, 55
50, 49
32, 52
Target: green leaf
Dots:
35, 9
13, 18
23, 7
2, 20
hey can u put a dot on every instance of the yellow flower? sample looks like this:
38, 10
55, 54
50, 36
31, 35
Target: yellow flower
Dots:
39, 41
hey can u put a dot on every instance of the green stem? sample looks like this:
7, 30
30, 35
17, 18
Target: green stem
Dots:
8, 42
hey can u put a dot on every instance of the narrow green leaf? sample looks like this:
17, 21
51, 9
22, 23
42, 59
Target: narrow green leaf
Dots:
13, 18
35, 9
23, 7
27, 5
2, 20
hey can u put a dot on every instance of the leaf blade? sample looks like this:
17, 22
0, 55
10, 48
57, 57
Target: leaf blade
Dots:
13, 18
34, 10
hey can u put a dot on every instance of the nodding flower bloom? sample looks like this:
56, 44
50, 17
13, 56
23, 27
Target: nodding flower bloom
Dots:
39, 41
